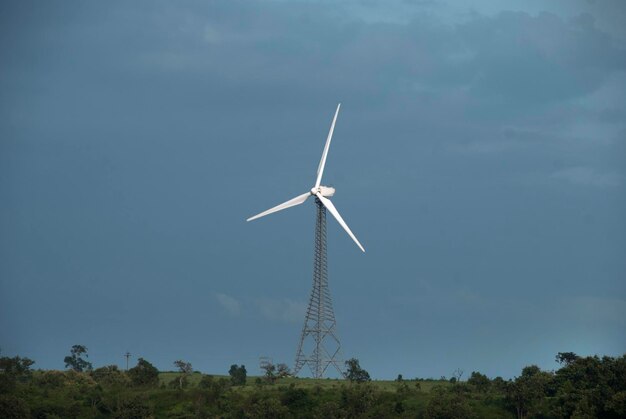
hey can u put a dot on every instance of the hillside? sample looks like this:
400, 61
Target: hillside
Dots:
583, 387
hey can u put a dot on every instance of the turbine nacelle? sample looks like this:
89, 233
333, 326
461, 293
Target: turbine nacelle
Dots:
326, 191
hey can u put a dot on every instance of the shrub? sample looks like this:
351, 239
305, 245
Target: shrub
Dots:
144, 374
110, 376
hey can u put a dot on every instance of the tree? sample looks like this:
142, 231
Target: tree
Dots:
525, 393
479, 381
355, 373
16, 366
238, 375
185, 369
13, 370
457, 374
144, 374
75, 360
270, 372
590, 386
566, 358
282, 370
499, 384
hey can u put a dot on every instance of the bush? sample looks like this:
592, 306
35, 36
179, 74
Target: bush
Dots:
110, 376
206, 382
357, 400
50, 379
132, 408
144, 374
445, 404
178, 382
238, 375
13, 408
479, 381
269, 408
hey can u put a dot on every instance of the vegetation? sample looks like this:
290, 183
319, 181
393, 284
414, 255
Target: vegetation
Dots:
144, 374
185, 369
75, 360
355, 373
583, 387
238, 375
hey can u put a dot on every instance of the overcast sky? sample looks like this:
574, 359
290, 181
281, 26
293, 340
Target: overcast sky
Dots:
479, 156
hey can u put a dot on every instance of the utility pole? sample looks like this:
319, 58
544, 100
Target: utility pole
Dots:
127, 355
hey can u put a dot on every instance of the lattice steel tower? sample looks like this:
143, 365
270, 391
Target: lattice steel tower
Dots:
319, 345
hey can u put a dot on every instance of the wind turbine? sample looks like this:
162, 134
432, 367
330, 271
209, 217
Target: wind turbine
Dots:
319, 344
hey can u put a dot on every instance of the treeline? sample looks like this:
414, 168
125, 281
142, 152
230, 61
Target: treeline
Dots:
582, 387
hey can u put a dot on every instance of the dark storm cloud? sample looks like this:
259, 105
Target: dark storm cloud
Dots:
479, 159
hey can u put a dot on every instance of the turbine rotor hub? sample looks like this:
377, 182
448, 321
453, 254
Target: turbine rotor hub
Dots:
326, 191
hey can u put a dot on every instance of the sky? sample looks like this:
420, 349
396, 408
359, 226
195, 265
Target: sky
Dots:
479, 156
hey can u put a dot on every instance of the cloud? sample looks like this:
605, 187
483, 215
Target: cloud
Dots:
285, 310
282, 310
594, 310
587, 176
231, 305
211, 35
512, 55
506, 139
485, 147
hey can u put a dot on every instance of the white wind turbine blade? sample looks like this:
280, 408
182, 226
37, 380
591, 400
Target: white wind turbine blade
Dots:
292, 202
328, 204
320, 168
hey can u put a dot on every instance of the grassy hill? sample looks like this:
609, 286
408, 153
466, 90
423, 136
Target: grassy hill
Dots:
166, 377
583, 387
